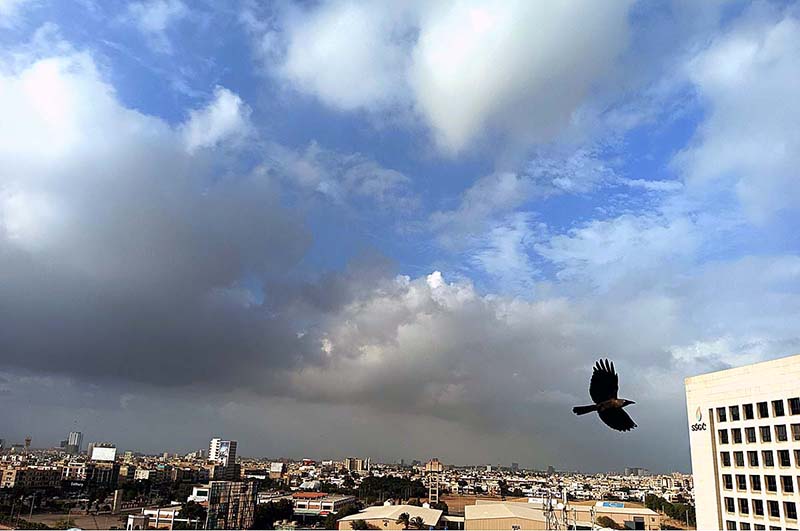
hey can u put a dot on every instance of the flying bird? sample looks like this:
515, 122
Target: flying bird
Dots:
603, 389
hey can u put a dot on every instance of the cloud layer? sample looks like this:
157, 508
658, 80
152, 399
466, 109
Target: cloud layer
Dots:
251, 261
518, 69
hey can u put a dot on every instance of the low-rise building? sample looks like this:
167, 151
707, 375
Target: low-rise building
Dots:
386, 517
320, 503
161, 518
516, 515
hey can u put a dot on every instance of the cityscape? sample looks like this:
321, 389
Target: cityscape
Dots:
94, 486
743, 424
463, 265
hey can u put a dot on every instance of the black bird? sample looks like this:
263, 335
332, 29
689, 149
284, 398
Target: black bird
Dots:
603, 389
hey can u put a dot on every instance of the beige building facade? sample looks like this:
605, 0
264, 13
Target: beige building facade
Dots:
484, 516
744, 433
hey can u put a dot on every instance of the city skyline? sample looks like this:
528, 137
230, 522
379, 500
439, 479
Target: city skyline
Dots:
414, 237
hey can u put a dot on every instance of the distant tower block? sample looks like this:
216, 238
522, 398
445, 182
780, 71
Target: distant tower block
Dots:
27, 443
433, 472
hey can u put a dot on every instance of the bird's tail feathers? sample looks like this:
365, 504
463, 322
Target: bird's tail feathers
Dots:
582, 410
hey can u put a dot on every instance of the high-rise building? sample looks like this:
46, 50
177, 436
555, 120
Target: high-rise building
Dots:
231, 504
514, 467
357, 464
222, 452
74, 442
744, 433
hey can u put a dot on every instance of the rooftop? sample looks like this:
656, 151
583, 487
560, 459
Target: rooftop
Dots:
392, 512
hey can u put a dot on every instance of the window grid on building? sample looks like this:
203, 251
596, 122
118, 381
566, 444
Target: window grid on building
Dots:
768, 487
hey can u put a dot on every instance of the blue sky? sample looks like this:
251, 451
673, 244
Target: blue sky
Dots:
454, 207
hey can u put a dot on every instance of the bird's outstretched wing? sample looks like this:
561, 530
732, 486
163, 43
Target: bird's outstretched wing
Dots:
617, 418
605, 383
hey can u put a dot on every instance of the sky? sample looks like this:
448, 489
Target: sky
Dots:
397, 230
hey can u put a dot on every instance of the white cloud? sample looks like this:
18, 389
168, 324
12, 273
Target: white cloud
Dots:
342, 177
623, 249
10, 11
225, 118
749, 142
154, 17
516, 68
652, 185
479, 206
505, 255
349, 54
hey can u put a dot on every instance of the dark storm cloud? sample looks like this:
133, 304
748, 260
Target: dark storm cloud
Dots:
122, 256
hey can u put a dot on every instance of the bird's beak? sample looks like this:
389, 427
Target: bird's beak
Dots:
631, 402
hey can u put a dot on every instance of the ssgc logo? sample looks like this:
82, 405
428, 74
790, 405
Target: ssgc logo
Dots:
699, 425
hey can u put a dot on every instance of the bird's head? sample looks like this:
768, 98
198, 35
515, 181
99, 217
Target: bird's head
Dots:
627, 403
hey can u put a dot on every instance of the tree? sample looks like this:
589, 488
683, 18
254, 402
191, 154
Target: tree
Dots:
417, 523
441, 506
404, 519
193, 510
331, 521
503, 488
268, 513
359, 524
605, 521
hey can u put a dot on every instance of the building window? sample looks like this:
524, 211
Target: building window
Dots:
731, 526
758, 507
736, 434
741, 482
797, 458
774, 509
744, 526
791, 510
759, 527
750, 434
772, 484
780, 433
744, 508
768, 458
787, 484
766, 436
721, 415
777, 408
738, 458
726, 458
727, 481
783, 458
755, 483
763, 410
794, 406
748, 411
752, 457
723, 436
734, 411
796, 432
729, 505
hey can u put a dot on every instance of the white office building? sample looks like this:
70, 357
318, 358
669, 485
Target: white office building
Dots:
744, 432
222, 452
